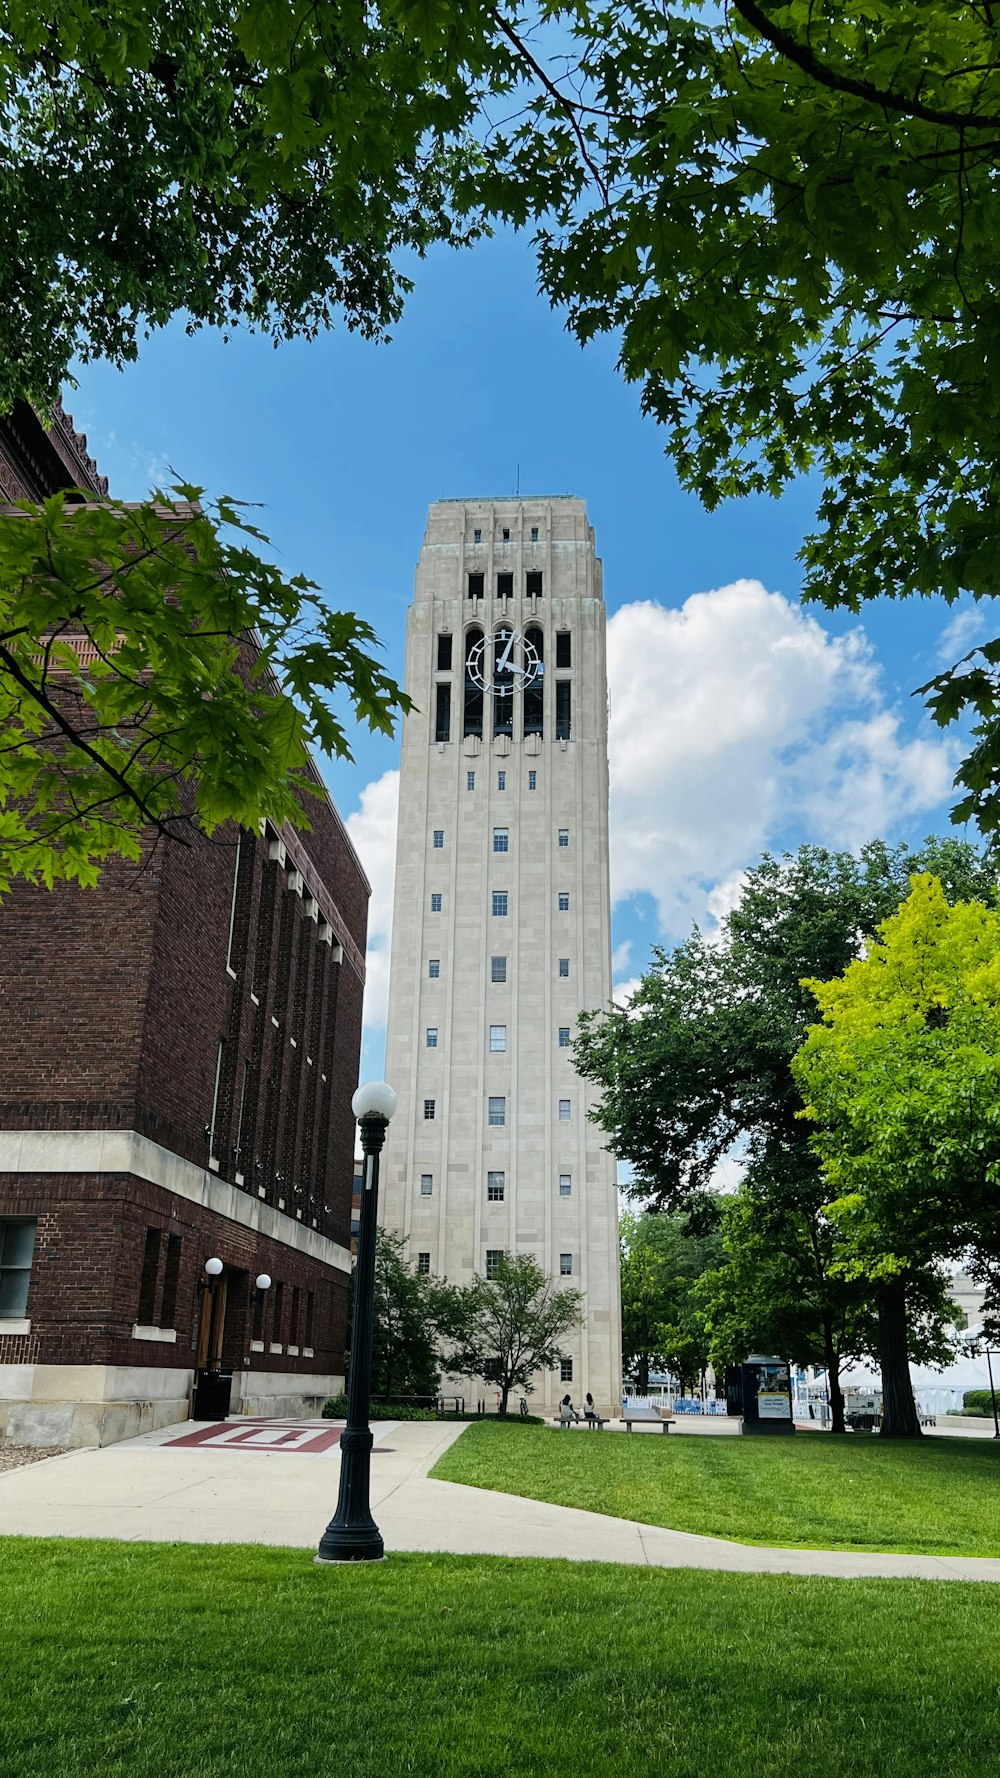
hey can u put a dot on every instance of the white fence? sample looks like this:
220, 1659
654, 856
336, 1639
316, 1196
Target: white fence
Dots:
676, 1404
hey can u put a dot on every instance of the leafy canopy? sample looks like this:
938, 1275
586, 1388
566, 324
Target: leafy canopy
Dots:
663, 1326
507, 1327
901, 1081
156, 672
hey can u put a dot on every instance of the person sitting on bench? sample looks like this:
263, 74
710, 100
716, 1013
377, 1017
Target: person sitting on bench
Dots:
589, 1411
567, 1411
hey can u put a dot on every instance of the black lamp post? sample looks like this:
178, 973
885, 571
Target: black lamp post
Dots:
993, 1396
352, 1534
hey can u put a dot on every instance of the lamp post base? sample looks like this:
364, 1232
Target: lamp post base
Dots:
352, 1534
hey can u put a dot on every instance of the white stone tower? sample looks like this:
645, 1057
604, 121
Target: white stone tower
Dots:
501, 924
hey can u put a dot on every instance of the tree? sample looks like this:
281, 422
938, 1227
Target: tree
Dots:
785, 213
901, 1081
157, 675
662, 1322
779, 1289
700, 1063
405, 1357
507, 1327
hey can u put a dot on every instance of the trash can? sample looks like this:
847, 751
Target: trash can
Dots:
212, 1393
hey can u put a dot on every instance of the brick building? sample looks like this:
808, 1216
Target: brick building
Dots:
178, 1050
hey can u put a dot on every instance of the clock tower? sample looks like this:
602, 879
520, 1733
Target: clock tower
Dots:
501, 923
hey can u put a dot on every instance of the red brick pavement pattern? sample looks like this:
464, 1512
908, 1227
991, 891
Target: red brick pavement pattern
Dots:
261, 1435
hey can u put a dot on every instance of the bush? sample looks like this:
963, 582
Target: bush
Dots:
978, 1401
336, 1409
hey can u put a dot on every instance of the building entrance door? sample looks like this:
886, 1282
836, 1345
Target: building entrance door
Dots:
212, 1324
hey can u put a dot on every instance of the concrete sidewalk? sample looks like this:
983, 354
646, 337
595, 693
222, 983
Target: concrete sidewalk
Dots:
146, 1489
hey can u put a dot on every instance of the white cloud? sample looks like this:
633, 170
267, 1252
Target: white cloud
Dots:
373, 834
965, 627
737, 723
622, 992
621, 957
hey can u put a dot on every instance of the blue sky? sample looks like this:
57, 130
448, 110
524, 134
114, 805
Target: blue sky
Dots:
738, 722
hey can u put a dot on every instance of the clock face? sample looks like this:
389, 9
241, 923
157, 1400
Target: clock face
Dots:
504, 661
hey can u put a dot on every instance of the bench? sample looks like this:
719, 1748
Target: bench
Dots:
640, 1416
594, 1424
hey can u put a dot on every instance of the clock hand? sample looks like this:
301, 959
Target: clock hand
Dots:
506, 653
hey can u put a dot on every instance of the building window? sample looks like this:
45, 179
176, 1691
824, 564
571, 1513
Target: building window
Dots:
476, 584
470, 780
472, 723
564, 1111
429, 1110
564, 966
564, 649
435, 904
564, 836
498, 1033
505, 586
533, 706
564, 901
505, 534
493, 1257
432, 1037
564, 723
434, 968
215, 1098
444, 654
477, 536
565, 1265
564, 1037
498, 969
149, 1278
565, 1370
439, 839
442, 718
501, 780
534, 533
17, 1246
171, 1276
533, 585
494, 1188
499, 903
532, 780
497, 1115
501, 841
565, 1185
423, 1264
426, 1185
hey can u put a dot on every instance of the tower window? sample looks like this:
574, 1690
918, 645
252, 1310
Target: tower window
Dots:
565, 1185
565, 1370
434, 968
495, 1188
505, 534
426, 1185
435, 904
497, 1112
564, 836
429, 1105
505, 586
499, 903
564, 649
442, 711
532, 780
444, 654
564, 901
438, 839
498, 969
534, 695
501, 780
564, 1111
501, 839
566, 1265
493, 1257
564, 1037
534, 533
533, 581
477, 536
431, 1037
498, 1033
470, 780
423, 1264
564, 966
476, 585
563, 709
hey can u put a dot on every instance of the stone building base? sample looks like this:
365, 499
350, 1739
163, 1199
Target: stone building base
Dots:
82, 1405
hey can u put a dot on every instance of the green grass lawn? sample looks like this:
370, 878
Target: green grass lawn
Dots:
813, 1491
160, 1661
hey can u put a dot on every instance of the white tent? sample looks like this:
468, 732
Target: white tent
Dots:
936, 1390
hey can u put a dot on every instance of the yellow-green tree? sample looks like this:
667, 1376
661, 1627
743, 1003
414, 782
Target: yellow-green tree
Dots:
902, 1080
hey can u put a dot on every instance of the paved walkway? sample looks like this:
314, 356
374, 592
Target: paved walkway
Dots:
258, 1490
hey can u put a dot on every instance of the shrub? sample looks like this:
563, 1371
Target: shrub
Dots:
336, 1409
978, 1401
